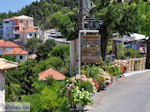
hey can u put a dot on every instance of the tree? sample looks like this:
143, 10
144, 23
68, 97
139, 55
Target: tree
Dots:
32, 44
50, 44
20, 80
116, 17
60, 51
10, 58
46, 98
44, 49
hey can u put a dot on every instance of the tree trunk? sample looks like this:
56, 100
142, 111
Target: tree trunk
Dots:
148, 55
114, 47
104, 43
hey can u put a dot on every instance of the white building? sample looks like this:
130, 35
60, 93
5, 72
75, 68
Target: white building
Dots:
27, 34
20, 54
14, 27
12, 49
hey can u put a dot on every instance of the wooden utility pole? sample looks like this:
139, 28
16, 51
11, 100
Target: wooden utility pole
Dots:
74, 43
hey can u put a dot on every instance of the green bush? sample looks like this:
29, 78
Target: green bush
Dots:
86, 85
114, 70
10, 58
46, 99
60, 51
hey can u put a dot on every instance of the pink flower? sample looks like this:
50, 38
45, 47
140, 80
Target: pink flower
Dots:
83, 76
102, 70
67, 94
77, 76
116, 64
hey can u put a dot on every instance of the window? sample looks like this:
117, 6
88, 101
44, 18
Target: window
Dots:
28, 21
21, 57
20, 21
30, 34
35, 35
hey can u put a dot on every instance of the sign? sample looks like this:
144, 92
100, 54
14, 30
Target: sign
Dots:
90, 48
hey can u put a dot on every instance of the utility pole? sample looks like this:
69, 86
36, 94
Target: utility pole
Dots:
80, 14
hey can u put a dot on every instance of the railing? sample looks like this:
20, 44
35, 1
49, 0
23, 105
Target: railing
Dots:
136, 64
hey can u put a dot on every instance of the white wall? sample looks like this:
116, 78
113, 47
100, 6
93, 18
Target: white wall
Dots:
18, 57
25, 36
32, 34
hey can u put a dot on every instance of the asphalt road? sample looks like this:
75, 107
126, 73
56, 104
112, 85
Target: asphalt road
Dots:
130, 94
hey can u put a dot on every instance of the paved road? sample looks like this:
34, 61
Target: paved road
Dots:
130, 94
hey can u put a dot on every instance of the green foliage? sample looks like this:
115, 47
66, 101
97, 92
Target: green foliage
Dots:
86, 85
81, 96
32, 44
90, 71
61, 51
10, 58
43, 50
135, 53
56, 62
114, 70
50, 44
46, 98
22, 78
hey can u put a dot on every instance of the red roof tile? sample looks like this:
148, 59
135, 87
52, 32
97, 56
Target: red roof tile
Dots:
8, 44
30, 30
17, 51
51, 73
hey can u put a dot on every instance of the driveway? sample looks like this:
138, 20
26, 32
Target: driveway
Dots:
131, 94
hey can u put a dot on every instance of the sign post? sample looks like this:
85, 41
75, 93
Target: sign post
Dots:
88, 42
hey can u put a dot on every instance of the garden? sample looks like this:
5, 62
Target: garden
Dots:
80, 89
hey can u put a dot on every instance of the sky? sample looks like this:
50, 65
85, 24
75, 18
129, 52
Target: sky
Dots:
13, 5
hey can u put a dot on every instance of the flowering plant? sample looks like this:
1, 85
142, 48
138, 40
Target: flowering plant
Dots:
81, 96
122, 64
82, 82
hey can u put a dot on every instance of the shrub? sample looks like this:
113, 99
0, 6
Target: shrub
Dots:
60, 51
10, 58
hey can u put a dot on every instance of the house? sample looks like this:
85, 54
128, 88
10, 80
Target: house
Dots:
12, 49
15, 27
27, 34
20, 54
4, 65
51, 73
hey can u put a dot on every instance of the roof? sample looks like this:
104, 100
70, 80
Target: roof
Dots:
30, 30
51, 73
17, 51
8, 44
33, 56
132, 37
22, 17
5, 64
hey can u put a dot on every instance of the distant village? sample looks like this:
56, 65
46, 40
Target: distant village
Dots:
15, 31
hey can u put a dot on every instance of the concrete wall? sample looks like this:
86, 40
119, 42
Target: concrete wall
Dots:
28, 35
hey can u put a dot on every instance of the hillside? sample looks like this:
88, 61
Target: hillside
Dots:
41, 10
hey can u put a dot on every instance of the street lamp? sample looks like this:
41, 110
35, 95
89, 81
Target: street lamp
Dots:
91, 23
